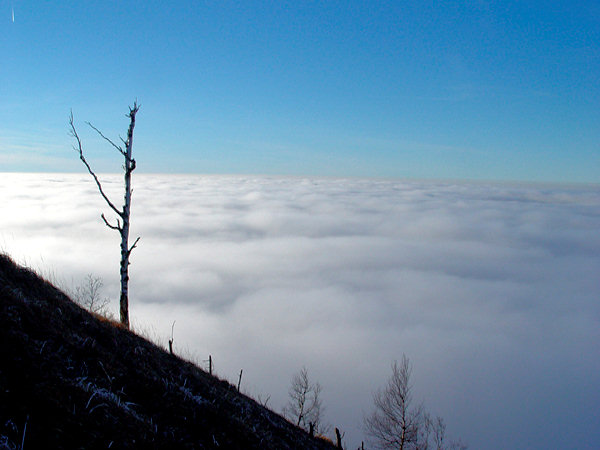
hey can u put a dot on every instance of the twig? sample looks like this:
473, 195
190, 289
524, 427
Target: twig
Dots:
107, 139
117, 227
133, 246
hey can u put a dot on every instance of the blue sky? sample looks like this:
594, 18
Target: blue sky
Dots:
472, 90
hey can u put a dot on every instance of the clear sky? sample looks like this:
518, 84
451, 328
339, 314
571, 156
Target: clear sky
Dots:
504, 90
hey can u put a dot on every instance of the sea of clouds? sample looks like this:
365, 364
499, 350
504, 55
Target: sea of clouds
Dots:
491, 290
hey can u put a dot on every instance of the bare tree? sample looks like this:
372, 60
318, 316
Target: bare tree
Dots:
395, 423
87, 294
398, 424
122, 221
305, 407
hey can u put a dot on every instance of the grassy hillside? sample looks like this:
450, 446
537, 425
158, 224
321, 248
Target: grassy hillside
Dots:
69, 379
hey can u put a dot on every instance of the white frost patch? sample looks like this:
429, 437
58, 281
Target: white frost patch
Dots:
106, 395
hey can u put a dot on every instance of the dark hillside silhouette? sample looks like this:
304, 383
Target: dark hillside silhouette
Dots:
71, 379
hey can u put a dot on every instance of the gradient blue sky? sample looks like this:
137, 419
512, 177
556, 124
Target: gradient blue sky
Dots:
469, 89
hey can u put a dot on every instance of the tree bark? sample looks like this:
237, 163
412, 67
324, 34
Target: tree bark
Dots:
125, 250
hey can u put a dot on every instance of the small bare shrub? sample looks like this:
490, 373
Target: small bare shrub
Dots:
87, 294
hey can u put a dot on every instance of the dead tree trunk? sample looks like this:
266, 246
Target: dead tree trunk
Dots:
122, 225
338, 438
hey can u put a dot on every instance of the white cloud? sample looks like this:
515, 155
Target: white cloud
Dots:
490, 290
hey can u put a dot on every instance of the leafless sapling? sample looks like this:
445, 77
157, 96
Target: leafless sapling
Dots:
434, 436
396, 423
123, 215
87, 294
304, 406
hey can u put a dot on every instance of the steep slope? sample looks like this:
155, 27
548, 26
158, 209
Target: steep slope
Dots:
69, 379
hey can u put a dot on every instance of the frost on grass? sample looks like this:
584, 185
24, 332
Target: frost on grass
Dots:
104, 395
189, 395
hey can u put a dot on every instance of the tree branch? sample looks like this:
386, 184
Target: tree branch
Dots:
79, 149
133, 246
120, 150
133, 109
117, 227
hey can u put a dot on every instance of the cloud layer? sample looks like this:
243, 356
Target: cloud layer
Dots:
491, 290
